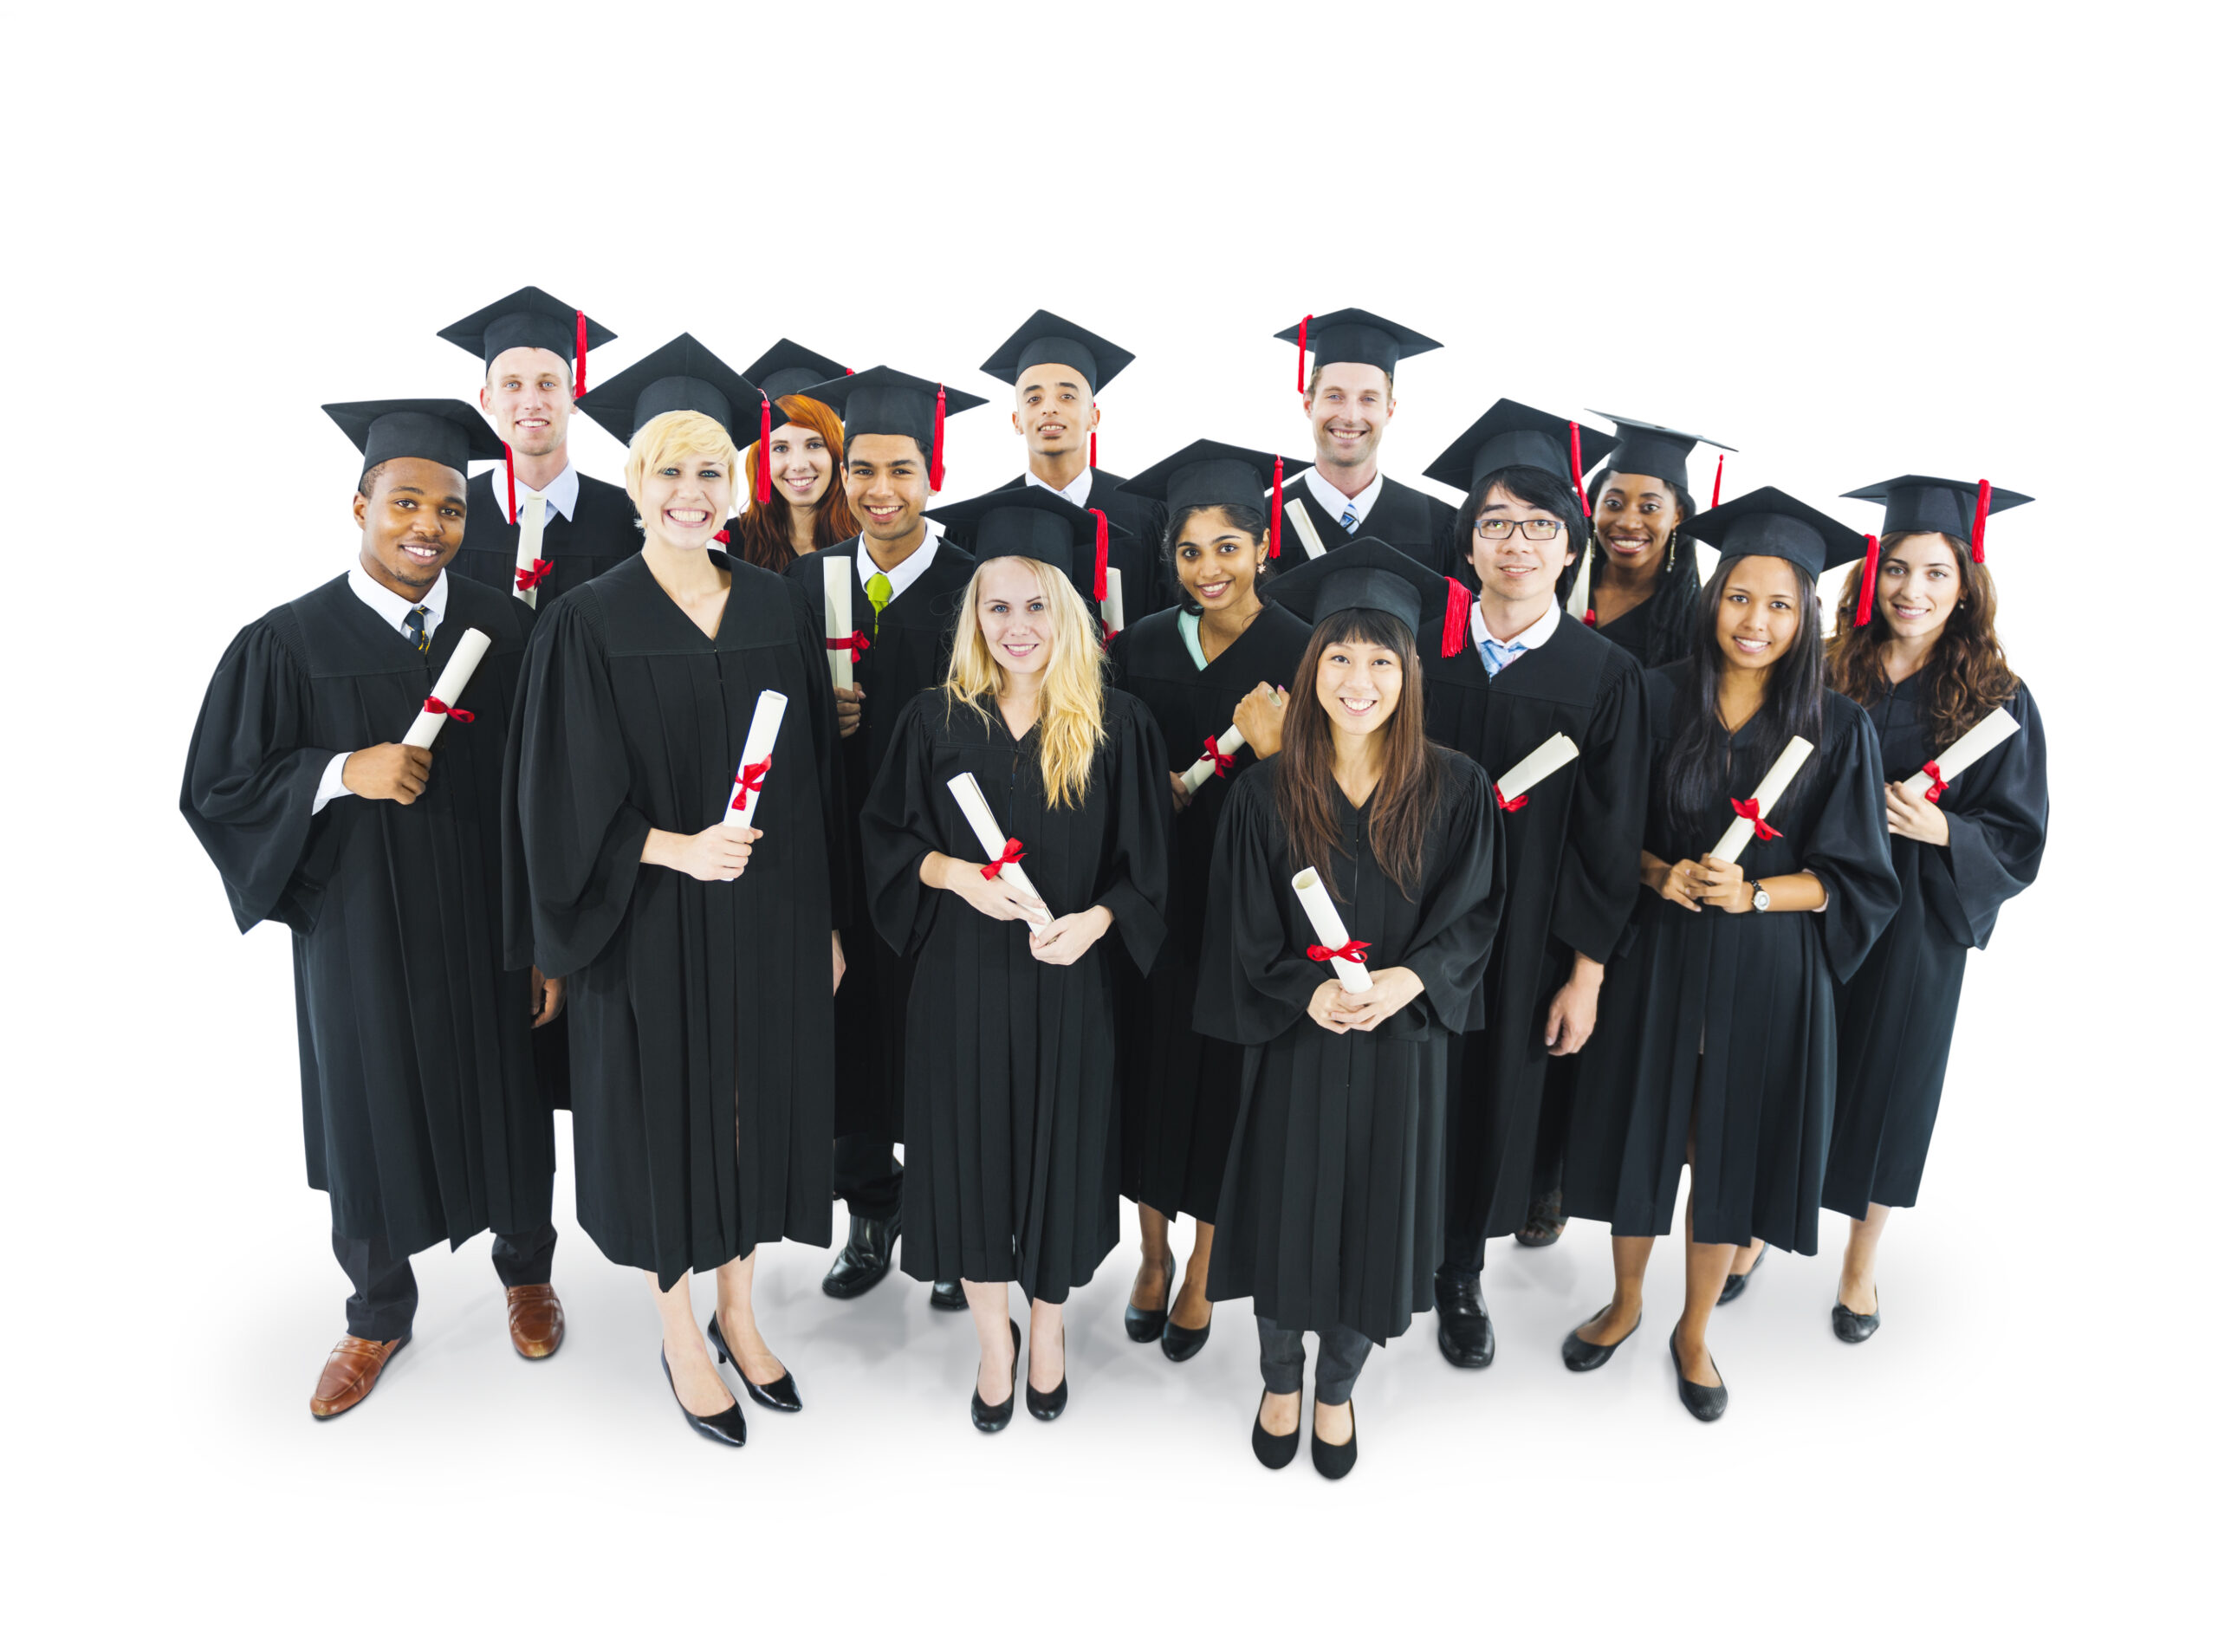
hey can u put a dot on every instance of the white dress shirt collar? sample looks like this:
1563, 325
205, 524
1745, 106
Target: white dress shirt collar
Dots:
912, 565
1337, 504
1077, 492
1529, 638
393, 608
561, 493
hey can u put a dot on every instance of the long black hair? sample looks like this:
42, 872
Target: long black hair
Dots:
1528, 485
1672, 631
1695, 767
1249, 520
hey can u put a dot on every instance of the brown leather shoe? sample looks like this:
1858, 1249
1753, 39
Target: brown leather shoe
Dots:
349, 1375
534, 1319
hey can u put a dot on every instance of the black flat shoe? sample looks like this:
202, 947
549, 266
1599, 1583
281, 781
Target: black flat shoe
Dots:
1145, 1324
948, 1297
726, 1427
779, 1396
1181, 1344
1274, 1450
1851, 1326
1466, 1328
1736, 1283
1333, 1462
863, 1261
992, 1419
1049, 1406
1704, 1403
1580, 1355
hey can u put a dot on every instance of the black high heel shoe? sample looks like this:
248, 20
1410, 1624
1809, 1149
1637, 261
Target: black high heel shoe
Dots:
726, 1427
1274, 1450
1049, 1406
1704, 1403
992, 1419
1180, 1344
779, 1396
1333, 1462
1851, 1326
1580, 1355
1145, 1324
1736, 1283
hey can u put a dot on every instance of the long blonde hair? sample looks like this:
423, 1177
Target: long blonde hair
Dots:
1070, 724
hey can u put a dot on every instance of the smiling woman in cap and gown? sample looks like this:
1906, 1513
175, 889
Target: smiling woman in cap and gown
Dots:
417, 1100
1010, 1105
701, 957
801, 506
1714, 1044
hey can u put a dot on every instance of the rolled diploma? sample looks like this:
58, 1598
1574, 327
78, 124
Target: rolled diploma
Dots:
839, 615
1113, 607
1302, 529
1228, 742
452, 680
531, 533
1548, 756
972, 802
1580, 601
1324, 918
1980, 739
761, 735
1768, 793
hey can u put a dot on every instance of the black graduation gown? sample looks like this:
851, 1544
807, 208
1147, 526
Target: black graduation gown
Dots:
603, 533
701, 1012
1010, 1084
1751, 993
1574, 870
1629, 630
908, 654
1181, 1090
421, 1117
1898, 1012
1332, 1212
1148, 585
1420, 525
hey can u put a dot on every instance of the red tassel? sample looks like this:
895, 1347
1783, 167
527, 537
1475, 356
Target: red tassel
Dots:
1871, 579
1747, 809
509, 463
1590, 620
1457, 630
1093, 450
439, 708
936, 473
580, 389
1978, 522
763, 458
1300, 357
1100, 555
1278, 497
1511, 805
1579, 471
1717, 483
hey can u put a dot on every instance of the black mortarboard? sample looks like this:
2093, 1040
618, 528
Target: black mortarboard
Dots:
1770, 523
684, 376
1645, 450
1037, 523
788, 369
1353, 335
1047, 337
1511, 433
1934, 505
880, 401
1370, 574
1215, 473
530, 319
438, 428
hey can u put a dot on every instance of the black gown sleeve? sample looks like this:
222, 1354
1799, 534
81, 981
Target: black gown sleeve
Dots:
1846, 846
1599, 877
1466, 878
899, 828
1138, 890
1256, 980
574, 835
250, 782
1996, 836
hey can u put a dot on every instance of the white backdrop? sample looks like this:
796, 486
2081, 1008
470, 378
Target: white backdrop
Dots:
1852, 242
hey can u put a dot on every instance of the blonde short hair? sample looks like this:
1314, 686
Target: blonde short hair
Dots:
679, 435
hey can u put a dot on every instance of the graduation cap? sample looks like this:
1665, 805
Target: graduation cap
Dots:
788, 369
1037, 523
529, 319
1352, 335
684, 376
1930, 505
1770, 523
1370, 573
880, 401
1047, 337
1645, 450
1511, 433
1216, 473
438, 428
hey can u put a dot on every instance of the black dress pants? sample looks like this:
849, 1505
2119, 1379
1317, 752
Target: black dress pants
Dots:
383, 1306
866, 1174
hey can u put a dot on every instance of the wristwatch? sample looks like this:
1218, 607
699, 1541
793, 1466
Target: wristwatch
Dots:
1759, 897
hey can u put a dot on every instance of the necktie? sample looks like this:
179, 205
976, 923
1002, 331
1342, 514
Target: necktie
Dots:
1348, 519
419, 627
1497, 654
879, 590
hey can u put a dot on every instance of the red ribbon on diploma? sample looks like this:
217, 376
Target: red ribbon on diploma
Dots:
1012, 851
855, 644
1511, 805
1353, 952
439, 708
540, 568
1747, 809
1223, 760
1933, 772
749, 779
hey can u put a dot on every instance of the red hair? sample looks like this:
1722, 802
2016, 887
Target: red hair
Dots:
766, 528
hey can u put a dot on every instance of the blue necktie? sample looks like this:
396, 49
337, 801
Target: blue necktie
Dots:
1347, 519
417, 629
1495, 655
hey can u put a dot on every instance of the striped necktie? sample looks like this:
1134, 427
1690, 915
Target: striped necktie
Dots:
1348, 519
419, 627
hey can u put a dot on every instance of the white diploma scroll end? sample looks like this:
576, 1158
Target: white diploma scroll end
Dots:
1548, 756
1303, 530
972, 802
762, 739
1112, 606
1228, 742
1769, 791
448, 690
1324, 918
839, 615
1980, 739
